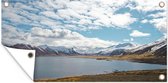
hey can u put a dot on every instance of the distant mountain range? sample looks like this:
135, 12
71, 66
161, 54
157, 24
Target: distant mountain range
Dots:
158, 48
45, 50
116, 49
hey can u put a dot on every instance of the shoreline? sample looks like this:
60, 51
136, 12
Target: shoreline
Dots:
133, 58
143, 58
118, 76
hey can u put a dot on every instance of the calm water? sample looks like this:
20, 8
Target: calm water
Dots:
58, 67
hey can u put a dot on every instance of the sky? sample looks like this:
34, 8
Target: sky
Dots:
83, 23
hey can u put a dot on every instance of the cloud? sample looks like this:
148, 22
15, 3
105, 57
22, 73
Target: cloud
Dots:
144, 21
55, 33
160, 24
131, 39
53, 37
159, 21
157, 18
81, 14
136, 33
122, 20
147, 5
60, 20
11, 35
128, 40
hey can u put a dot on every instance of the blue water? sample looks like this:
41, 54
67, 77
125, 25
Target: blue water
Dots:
58, 67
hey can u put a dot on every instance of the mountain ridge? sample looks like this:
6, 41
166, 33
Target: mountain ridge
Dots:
157, 47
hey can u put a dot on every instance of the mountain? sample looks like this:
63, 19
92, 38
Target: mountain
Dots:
124, 45
59, 49
157, 48
87, 50
152, 47
39, 51
46, 50
118, 49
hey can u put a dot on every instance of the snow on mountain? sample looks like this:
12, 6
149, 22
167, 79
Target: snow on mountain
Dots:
117, 49
100, 50
59, 49
150, 47
159, 45
129, 48
125, 45
87, 50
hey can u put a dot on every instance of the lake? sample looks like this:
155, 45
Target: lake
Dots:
59, 67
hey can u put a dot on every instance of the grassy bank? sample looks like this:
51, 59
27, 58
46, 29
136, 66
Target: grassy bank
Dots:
134, 76
144, 58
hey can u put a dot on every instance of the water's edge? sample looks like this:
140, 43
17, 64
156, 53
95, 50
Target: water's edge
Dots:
63, 62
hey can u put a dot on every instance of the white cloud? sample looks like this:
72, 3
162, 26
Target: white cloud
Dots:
50, 14
131, 39
136, 33
160, 23
158, 15
144, 21
54, 37
158, 19
128, 40
12, 36
61, 14
147, 5
66, 13
122, 20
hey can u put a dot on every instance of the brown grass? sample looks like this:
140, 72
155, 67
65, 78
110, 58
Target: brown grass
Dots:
143, 58
134, 76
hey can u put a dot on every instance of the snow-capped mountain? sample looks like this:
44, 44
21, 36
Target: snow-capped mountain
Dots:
118, 49
157, 48
59, 49
87, 50
46, 50
101, 50
125, 45
151, 47
128, 48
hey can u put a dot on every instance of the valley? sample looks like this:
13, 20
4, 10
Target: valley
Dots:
152, 58
154, 53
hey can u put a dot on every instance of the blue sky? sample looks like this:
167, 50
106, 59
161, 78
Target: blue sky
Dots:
100, 22
120, 34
